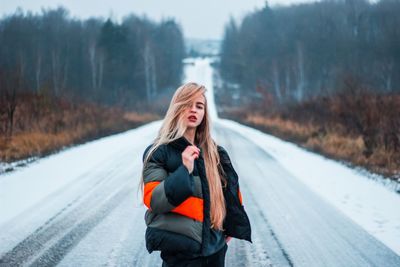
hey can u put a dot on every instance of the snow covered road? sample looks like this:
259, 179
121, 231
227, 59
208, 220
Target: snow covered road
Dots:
80, 207
292, 226
97, 219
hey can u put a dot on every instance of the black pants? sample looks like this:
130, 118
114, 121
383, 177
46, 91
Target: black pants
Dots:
215, 260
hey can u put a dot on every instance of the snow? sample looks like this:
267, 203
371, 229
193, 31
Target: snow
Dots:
24, 187
201, 72
366, 202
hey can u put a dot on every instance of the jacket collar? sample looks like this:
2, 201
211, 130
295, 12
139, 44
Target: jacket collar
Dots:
181, 143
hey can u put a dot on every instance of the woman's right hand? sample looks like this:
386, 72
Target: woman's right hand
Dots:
189, 155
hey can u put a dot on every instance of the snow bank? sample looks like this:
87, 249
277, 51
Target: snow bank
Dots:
367, 202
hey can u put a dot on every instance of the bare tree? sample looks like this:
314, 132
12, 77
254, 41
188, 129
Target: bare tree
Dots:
149, 69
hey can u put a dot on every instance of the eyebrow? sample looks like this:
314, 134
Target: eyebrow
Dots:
200, 103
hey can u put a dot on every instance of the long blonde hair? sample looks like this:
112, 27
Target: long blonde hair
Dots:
173, 127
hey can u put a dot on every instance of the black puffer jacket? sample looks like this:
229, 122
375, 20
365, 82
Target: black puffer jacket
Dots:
178, 214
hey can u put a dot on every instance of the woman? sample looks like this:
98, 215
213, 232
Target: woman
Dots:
190, 187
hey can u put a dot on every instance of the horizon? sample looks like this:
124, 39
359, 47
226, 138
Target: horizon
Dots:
193, 26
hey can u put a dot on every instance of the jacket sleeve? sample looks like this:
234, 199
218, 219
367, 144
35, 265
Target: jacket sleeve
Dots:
164, 191
225, 159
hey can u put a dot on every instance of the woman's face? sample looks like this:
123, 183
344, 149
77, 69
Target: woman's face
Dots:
195, 112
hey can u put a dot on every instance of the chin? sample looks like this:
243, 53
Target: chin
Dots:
192, 125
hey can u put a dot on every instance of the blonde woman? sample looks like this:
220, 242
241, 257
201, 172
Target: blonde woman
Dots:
190, 187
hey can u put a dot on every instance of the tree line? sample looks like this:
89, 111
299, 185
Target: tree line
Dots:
300, 51
115, 63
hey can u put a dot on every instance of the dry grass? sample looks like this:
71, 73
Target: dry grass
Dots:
282, 127
341, 147
361, 131
42, 127
32, 144
137, 117
309, 136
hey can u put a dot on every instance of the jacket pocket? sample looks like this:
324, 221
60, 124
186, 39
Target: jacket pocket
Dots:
169, 242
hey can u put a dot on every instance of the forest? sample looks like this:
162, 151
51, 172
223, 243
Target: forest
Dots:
325, 75
64, 79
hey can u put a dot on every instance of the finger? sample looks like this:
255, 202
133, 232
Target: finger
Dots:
196, 148
192, 149
194, 155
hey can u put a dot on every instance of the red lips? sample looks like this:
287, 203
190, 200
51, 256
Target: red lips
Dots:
192, 118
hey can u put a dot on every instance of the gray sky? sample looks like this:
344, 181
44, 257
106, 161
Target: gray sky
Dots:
199, 19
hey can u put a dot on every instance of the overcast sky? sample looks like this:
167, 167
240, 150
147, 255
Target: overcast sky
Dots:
199, 18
